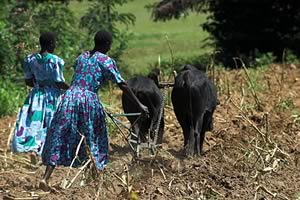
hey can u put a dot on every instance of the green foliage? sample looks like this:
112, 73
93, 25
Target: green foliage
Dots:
59, 19
12, 27
147, 38
239, 27
20, 26
103, 14
24, 23
185, 36
290, 57
201, 62
168, 9
6, 51
286, 104
24, 30
255, 76
110, 125
11, 97
112, 129
264, 59
295, 116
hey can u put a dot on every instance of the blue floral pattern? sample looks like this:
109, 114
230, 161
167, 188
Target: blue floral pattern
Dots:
80, 113
38, 109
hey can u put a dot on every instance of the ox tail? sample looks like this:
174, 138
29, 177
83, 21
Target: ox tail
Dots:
188, 87
190, 115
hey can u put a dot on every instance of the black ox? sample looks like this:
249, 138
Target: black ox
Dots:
147, 91
194, 99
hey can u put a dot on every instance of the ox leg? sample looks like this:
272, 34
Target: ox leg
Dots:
136, 130
154, 122
161, 131
202, 136
152, 130
205, 126
186, 132
189, 148
199, 136
186, 128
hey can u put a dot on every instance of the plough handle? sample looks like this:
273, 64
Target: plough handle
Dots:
125, 114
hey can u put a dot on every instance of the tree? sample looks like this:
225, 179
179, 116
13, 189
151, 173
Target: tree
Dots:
167, 9
6, 41
241, 28
22, 23
60, 20
103, 14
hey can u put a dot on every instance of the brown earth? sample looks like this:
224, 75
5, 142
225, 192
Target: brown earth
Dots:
253, 153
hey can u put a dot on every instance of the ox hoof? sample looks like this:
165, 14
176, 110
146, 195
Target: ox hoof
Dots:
189, 152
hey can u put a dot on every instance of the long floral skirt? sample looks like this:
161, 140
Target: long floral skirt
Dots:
34, 118
79, 116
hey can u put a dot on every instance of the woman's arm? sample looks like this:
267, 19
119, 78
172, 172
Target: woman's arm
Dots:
128, 92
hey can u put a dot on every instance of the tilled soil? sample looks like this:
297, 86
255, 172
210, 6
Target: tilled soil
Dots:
252, 153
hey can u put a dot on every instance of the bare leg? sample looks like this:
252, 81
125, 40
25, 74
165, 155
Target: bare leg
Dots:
44, 182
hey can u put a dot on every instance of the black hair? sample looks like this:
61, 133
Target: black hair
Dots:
47, 39
103, 37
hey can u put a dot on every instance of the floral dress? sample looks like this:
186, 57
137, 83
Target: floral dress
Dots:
38, 109
80, 113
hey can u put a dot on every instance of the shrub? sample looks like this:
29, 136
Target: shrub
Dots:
290, 57
12, 97
201, 62
103, 14
264, 59
239, 27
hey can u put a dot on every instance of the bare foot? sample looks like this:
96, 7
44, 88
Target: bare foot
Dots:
44, 186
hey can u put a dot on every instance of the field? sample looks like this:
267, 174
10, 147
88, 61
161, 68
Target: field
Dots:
252, 153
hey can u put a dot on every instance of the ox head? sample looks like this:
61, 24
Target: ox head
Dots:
154, 75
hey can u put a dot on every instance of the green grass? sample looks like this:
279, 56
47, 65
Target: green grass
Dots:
149, 41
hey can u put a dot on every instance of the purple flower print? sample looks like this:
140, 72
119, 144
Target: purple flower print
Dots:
20, 132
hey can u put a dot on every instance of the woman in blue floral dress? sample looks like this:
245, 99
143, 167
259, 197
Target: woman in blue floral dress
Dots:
81, 113
44, 72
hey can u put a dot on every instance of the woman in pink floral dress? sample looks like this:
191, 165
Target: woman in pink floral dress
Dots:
81, 113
